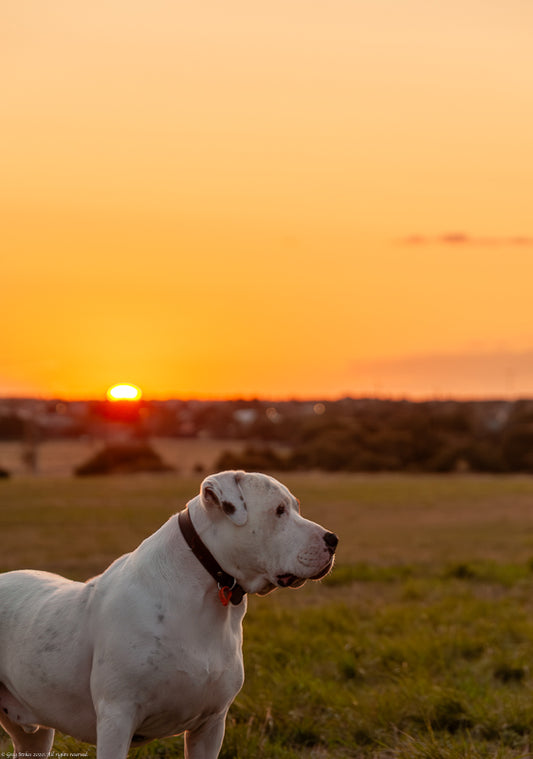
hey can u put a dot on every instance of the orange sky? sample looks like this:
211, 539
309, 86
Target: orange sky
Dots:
275, 199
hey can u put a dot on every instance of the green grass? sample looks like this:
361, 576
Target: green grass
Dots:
418, 646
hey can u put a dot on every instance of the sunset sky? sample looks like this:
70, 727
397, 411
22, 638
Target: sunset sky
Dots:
293, 198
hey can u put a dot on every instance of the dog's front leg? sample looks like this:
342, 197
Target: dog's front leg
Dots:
206, 741
113, 733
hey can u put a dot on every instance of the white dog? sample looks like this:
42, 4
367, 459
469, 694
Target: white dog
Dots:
153, 646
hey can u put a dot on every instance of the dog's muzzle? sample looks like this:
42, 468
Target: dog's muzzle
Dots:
293, 581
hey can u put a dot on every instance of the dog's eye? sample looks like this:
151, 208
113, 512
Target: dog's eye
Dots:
280, 510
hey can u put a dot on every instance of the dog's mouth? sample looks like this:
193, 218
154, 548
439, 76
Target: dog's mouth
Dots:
292, 581
324, 571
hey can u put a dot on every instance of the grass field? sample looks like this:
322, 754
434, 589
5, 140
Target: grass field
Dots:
419, 645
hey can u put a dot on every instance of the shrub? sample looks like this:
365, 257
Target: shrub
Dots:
123, 458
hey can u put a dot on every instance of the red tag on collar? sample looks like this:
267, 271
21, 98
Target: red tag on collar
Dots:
225, 595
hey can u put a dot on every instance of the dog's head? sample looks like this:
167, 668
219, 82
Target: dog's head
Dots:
258, 535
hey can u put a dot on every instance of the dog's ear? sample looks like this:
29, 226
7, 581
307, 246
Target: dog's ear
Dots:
223, 491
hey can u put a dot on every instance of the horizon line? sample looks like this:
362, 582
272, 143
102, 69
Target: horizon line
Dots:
393, 397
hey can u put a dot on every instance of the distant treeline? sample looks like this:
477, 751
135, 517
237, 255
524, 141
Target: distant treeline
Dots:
357, 435
378, 436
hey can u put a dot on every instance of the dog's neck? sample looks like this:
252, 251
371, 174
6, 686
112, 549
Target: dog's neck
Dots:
229, 590
228, 554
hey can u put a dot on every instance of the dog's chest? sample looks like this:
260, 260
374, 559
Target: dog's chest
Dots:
181, 669
185, 687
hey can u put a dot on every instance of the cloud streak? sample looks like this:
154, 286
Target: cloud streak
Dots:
463, 239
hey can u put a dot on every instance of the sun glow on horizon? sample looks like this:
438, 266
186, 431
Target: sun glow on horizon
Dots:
124, 392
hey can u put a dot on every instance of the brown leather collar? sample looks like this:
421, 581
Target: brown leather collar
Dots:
228, 588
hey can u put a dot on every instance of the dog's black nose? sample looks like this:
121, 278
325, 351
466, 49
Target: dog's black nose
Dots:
331, 540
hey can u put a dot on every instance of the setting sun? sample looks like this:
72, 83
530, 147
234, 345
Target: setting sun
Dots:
124, 392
